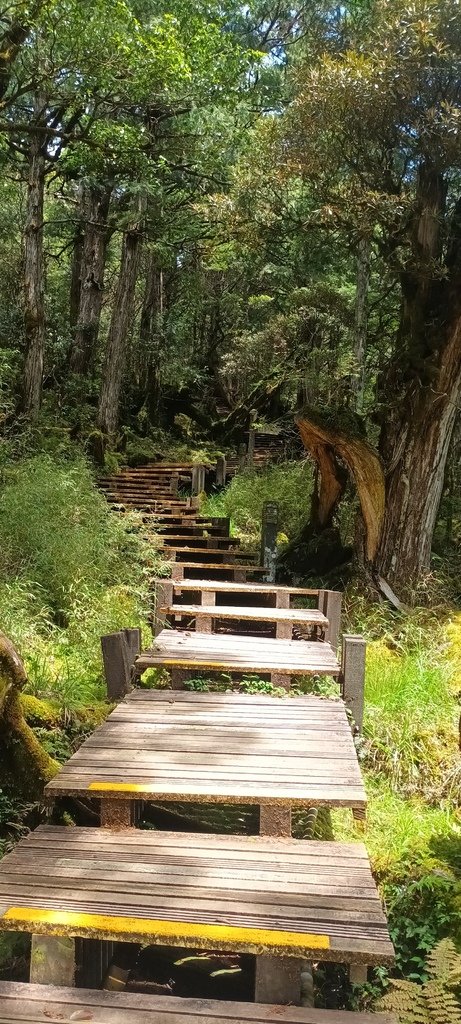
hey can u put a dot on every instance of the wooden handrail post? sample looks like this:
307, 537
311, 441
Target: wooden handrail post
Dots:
269, 530
251, 447
353, 676
119, 651
221, 471
332, 602
242, 455
198, 479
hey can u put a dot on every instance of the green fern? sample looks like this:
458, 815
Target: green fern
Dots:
434, 1002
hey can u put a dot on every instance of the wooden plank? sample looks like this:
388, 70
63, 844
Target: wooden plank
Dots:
219, 748
220, 586
38, 1004
302, 616
194, 650
246, 919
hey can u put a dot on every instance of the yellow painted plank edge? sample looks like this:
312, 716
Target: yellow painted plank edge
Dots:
101, 923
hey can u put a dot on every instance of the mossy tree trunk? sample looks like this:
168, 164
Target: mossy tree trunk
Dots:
24, 764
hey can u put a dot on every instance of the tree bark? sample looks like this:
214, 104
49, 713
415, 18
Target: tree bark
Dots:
122, 313
151, 336
76, 268
95, 209
416, 445
361, 321
422, 387
34, 303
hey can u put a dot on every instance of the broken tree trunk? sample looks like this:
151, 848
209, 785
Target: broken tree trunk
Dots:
326, 444
23, 762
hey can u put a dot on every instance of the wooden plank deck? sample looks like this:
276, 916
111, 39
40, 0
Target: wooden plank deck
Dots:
281, 897
219, 748
40, 1004
220, 653
299, 616
182, 570
220, 586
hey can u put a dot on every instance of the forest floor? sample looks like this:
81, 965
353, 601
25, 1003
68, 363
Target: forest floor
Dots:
70, 570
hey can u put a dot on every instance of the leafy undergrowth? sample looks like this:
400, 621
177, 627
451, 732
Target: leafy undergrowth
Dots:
70, 571
289, 485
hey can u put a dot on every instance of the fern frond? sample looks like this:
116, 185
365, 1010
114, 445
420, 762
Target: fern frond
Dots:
442, 1005
444, 962
407, 1001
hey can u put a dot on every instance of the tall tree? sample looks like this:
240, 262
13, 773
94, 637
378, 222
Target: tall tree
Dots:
375, 129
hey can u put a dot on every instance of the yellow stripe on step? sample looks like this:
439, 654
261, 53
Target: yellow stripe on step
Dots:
65, 921
123, 787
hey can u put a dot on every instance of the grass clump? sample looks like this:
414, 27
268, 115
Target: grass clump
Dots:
70, 570
289, 485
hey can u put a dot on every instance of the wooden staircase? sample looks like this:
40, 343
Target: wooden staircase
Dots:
290, 903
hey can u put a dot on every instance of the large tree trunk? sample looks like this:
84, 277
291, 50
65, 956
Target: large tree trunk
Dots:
151, 336
423, 387
34, 303
122, 313
361, 321
415, 446
95, 209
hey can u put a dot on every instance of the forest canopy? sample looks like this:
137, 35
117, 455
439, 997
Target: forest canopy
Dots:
232, 213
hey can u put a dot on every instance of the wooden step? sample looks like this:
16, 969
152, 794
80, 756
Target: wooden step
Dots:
192, 553
220, 653
271, 897
182, 570
40, 1004
178, 540
283, 619
221, 586
219, 748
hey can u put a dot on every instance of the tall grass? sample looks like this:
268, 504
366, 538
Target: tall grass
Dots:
70, 570
289, 485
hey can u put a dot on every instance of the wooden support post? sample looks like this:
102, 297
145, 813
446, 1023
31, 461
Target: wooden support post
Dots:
278, 980
117, 668
93, 959
208, 597
358, 974
284, 631
269, 529
178, 677
251, 448
203, 623
198, 479
281, 679
353, 676
221, 471
133, 647
52, 961
163, 599
242, 455
174, 483
240, 575
275, 820
223, 522
331, 607
116, 814
177, 571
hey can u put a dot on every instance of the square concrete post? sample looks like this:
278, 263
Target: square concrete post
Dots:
353, 676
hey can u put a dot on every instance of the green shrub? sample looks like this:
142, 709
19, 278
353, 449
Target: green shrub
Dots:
289, 485
70, 570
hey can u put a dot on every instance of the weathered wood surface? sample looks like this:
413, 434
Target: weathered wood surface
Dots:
191, 553
299, 616
218, 652
181, 570
219, 748
40, 1004
279, 897
221, 586
194, 541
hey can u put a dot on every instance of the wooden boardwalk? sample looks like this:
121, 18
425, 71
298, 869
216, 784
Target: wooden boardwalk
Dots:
285, 901
40, 1004
219, 748
281, 897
